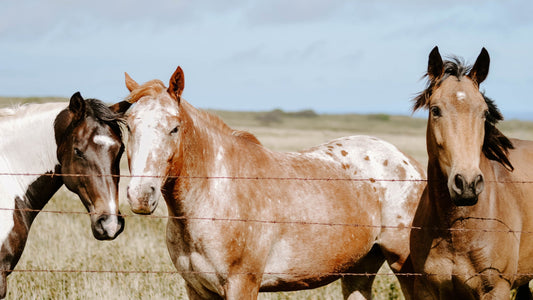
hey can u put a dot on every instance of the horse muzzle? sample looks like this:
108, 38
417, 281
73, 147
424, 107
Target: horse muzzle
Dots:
107, 227
143, 200
465, 192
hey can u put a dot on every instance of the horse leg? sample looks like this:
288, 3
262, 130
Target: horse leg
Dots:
360, 287
407, 282
3, 285
192, 294
523, 292
242, 286
501, 290
10, 254
13, 246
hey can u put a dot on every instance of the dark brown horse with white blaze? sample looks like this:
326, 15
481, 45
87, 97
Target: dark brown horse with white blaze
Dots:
246, 219
40, 142
476, 214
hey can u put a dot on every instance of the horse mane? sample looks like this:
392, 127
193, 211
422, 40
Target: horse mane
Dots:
96, 109
216, 122
101, 112
495, 144
11, 111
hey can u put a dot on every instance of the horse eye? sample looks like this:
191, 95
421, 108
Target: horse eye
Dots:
486, 114
435, 111
78, 153
175, 130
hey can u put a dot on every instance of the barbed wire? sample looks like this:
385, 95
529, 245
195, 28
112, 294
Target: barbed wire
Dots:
369, 179
336, 274
289, 222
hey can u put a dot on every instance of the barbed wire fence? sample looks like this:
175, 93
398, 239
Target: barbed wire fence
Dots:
280, 222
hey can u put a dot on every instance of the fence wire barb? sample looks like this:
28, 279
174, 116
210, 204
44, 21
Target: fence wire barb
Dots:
290, 222
372, 180
214, 219
336, 274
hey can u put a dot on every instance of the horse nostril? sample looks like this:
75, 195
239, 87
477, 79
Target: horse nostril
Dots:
479, 184
459, 183
101, 221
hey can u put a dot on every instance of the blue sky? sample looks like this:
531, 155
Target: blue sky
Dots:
333, 56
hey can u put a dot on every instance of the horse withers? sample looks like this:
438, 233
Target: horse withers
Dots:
44, 146
245, 219
473, 225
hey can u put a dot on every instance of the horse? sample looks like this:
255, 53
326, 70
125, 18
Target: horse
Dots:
245, 219
47, 145
471, 236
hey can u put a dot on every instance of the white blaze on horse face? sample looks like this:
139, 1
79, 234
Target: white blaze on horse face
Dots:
461, 95
112, 205
149, 147
104, 141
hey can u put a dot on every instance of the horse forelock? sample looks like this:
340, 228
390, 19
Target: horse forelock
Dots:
64, 123
151, 88
495, 145
101, 112
455, 67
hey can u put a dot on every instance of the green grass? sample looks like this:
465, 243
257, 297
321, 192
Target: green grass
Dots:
65, 242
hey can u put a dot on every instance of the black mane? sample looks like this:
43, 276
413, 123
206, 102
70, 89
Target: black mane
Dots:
495, 144
95, 109
101, 112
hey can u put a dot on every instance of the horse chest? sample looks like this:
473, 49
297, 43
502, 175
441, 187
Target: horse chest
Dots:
192, 255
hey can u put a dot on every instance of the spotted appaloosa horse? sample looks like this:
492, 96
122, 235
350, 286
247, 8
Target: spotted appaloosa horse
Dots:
246, 219
478, 195
45, 141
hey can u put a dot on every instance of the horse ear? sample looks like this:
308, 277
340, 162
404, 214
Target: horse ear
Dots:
480, 70
176, 84
120, 107
130, 83
77, 106
435, 64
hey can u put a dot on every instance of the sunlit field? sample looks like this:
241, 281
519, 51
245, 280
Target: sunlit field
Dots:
62, 260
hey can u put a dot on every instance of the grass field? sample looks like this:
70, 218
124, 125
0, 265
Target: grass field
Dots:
64, 242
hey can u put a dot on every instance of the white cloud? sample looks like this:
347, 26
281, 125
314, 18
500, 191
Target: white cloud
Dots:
277, 53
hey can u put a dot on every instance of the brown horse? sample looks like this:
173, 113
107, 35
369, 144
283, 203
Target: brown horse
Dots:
246, 219
44, 141
476, 215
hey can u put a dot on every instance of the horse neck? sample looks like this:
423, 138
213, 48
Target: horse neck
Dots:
202, 136
29, 147
438, 191
441, 204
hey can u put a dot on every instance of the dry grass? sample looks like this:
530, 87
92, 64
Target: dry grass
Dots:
65, 242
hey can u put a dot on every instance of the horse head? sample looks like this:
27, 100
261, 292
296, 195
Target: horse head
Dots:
89, 148
153, 124
461, 124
